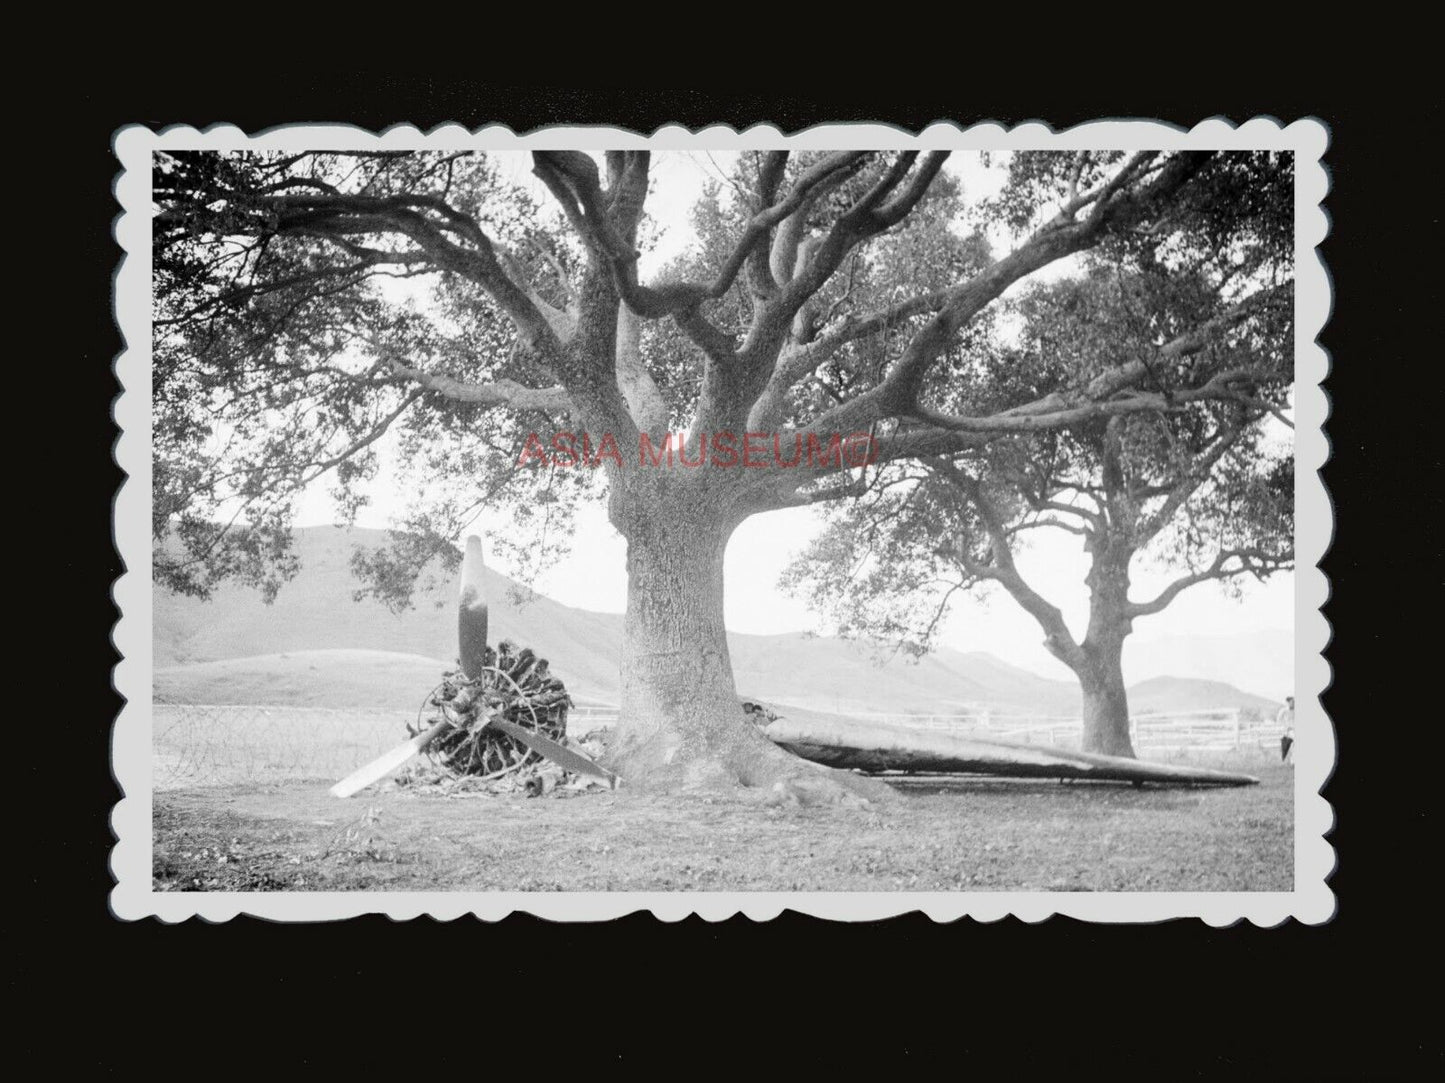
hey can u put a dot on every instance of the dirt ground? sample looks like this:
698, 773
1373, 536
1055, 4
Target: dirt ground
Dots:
958, 835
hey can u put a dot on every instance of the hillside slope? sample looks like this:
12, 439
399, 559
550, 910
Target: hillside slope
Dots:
379, 680
315, 642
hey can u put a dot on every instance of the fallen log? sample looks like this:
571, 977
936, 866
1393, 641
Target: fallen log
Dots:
865, 746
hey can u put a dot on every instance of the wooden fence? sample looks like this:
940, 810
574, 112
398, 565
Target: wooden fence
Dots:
210, 744
1214, 730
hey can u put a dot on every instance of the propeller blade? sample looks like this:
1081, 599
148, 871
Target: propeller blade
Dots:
384, 765
562, 757
472, 611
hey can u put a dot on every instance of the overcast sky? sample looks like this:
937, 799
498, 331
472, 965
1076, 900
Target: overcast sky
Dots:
594, 576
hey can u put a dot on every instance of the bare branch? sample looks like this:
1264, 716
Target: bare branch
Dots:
364, 442
1047, 521
1058, 639
564, 280
1184, 487
572, 178
1254, 562
1064, 508
854, 487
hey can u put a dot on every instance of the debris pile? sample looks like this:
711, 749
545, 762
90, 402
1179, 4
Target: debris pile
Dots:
513, 685
759, 714
426, 779
494, 721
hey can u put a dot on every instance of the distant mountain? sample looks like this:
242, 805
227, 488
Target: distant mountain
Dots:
1260, 661
315, 645
1191, 694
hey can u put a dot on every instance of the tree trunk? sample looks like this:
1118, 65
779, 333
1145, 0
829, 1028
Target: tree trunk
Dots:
1100, 664
678, 696
1106, 703
681, 725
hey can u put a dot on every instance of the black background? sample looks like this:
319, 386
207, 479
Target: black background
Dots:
1177, 1000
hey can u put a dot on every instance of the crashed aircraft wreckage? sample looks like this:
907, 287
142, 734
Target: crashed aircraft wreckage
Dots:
873, 748
502, 710
498, 714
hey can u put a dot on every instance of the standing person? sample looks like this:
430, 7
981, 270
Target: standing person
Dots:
1285, 718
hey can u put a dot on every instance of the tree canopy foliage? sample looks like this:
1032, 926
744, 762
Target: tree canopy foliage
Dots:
1202, 489
307, 305
276, 335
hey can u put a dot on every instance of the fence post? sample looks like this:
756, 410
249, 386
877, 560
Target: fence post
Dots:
1236, 729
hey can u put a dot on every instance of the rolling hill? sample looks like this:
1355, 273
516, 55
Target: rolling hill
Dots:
326, 678
1257, 660
314, 645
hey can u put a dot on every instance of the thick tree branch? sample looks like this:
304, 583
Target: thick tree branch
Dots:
786, 257
341, 217
867, 217
1252, 561
1049, 522
563, 321
898, 393
803, 360
771, 169
1040, 504
644, 399
944, 435
589, 364
798, 362
502, 392
564, 280
1189, 343
572, 178
1057, 638
853, 487
1185, 486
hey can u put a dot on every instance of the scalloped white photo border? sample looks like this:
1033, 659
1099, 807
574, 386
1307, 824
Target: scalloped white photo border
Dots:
1311, 901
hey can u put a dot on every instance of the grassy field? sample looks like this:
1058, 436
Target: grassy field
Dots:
330, 678
193, 746
960, 835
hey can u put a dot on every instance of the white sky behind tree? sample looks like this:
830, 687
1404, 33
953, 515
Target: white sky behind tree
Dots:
594, 575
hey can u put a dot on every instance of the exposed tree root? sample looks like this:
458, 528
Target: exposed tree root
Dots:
746, 764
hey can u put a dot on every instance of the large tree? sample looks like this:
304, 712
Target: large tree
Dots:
1204, 491
285, 351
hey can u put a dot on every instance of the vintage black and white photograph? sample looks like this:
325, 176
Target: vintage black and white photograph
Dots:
857, 521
